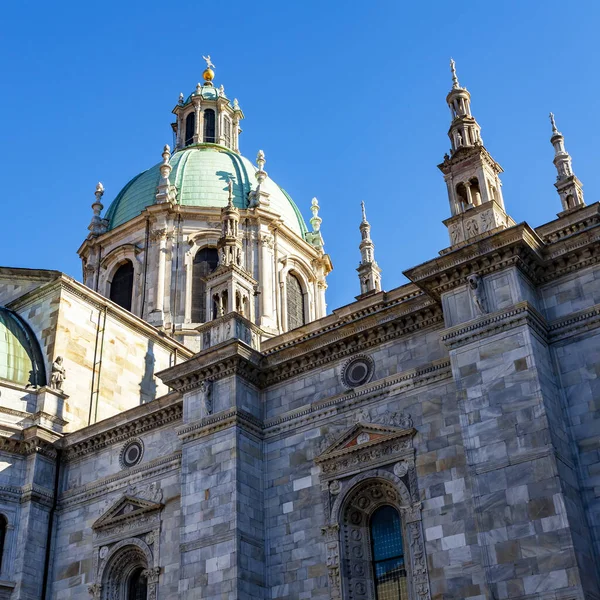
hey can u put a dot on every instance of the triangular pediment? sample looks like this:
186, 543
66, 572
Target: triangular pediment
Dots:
363, 435
124, 509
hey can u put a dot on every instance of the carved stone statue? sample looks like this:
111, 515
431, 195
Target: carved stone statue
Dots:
58, 375
206, 391
477, 294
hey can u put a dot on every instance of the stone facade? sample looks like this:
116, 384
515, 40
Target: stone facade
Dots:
247, 465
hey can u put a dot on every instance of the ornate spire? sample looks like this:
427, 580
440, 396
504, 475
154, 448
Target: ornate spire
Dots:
98, 225
455, 84
569, 188
259, 197
230, 244
180, 98
369, 273
470, 173
314, 237
163, 191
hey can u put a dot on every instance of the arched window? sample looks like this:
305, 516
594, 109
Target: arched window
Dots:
137, 585
121, 287
190, 128
205, 262
295, 302
475, 191
3, 528
389, 572
209, 125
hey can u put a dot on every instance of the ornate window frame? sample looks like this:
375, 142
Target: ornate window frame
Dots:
370, 465
126, 537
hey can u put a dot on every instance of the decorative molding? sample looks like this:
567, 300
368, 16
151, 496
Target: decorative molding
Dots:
518, 315
574, 324
233, 417
119, 480
135, 427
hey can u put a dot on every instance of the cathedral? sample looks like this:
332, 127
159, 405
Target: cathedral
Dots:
190, 422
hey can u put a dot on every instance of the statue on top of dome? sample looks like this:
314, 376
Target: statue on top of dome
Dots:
209, 64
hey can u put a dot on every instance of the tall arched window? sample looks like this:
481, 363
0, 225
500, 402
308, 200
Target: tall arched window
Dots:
205, 262
209, 125
137, 585
121, 287
190, 128
389, 572
3, 528
295, 302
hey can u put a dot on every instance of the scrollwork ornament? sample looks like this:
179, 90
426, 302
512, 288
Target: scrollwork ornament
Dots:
335, 487
401, 468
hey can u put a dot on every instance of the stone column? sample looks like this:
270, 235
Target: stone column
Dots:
469, 195
266, 278
159, 242
198, 129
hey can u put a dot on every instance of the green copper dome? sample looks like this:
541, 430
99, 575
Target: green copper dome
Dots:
200, 174
20, 354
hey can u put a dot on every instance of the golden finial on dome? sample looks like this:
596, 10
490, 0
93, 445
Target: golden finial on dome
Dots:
208, 74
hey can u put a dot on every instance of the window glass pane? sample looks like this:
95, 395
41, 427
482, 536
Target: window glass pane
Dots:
205, 262
190, 126
295, 302
138, 586
121, 287
388, 555
209, 125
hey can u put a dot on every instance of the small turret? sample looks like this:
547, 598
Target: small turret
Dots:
260, 197
470, 172
369, 273
230, 243
569, 188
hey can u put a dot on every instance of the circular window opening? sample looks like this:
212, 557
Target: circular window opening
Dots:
132, 453
357, 371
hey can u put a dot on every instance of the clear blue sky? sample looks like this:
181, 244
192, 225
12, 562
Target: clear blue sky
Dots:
347, 100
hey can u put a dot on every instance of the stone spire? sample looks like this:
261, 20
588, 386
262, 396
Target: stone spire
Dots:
98, 225
259, 197
369, 273
314, 237
470, 172
164, 188
569, 188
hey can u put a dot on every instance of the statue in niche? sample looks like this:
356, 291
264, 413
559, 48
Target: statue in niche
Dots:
477, 294
206, 392
58, 375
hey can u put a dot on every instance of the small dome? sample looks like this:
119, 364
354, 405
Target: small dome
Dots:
200, 174
20, 353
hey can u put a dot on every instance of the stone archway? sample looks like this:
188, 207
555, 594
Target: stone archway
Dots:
348, 536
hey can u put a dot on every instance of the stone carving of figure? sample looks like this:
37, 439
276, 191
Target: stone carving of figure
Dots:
455, 234
58, 375
238, 258
472, 227
477, 294
206, 391
459, 139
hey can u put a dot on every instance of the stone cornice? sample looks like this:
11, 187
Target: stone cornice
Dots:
99, 437
384, 323
522, 313
574, 324
228, 358
518, 245
234, 417
570, 223
521, 246
122, 479
32, 440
